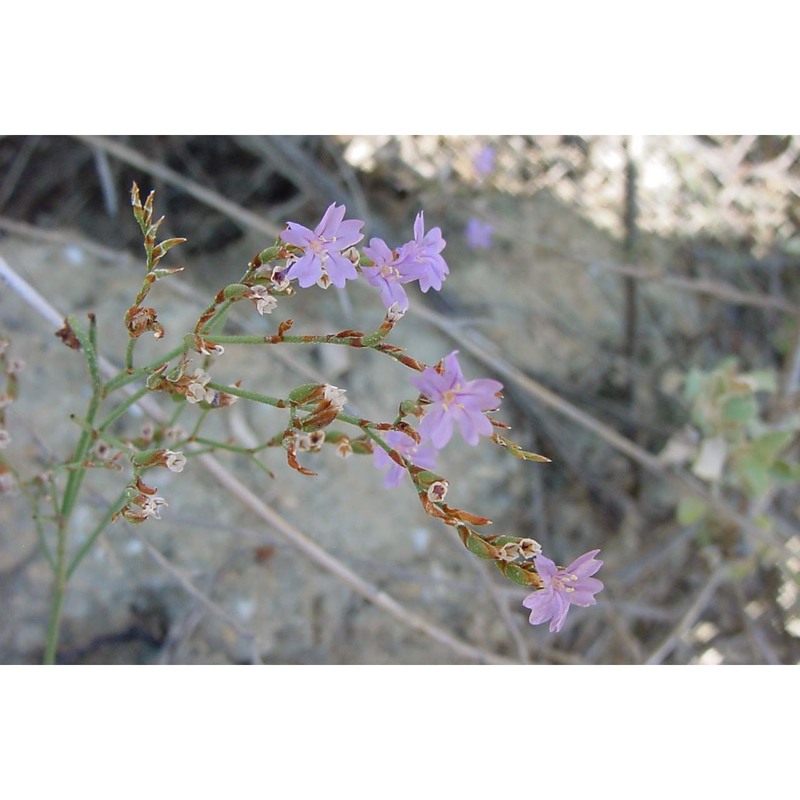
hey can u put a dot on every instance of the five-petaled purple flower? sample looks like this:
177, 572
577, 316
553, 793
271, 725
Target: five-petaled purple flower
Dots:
455, 399
421, 258
422, 455
323, 262
479, 234
563, 587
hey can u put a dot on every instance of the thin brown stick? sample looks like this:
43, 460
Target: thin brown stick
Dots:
211, 198
186, 583
719, 289
691, 616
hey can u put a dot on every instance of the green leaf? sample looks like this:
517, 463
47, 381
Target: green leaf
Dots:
755, 475
694, 383
763, 380
785, 472
765, 448
740, 409
517, 574
479, 547
691, 510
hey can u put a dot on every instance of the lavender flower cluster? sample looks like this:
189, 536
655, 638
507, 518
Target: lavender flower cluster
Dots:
326, 255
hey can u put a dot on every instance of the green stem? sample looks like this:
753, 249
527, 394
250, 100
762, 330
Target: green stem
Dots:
122, 408
129, 354
199, 424
72, 489
247, 395
217, 445
217, 321
125, 377
101, 526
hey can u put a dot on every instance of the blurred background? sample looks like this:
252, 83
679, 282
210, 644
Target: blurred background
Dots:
638, 297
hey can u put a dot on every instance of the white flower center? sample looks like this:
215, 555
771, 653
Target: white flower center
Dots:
449, 397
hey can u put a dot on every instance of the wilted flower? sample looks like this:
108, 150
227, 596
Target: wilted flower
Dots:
529, 548
455, 399
510, 551
264, 301
334, 395
420, 454
563, 587
479, 234
143, 507
323, 248
139, 319
196, 391
343, 448
174, 462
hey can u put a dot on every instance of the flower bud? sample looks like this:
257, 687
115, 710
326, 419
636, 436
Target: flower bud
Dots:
174, 462
479, 547
270, 254
234, 291
519, 574
305, 393
410, 408
206, 348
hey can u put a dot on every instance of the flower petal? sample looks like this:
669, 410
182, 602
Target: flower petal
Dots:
340, 270
297, 235
307, 270
349, 233
545, 567
330, 221
585, 565
560, 609
437, 426
541, 604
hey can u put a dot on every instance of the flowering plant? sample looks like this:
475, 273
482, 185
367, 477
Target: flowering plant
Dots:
441, 401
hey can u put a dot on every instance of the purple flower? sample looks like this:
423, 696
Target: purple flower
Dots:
323, 262
420, 454
483, 163
420, 259
479, 234
563, 588
387, 274
454, 399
